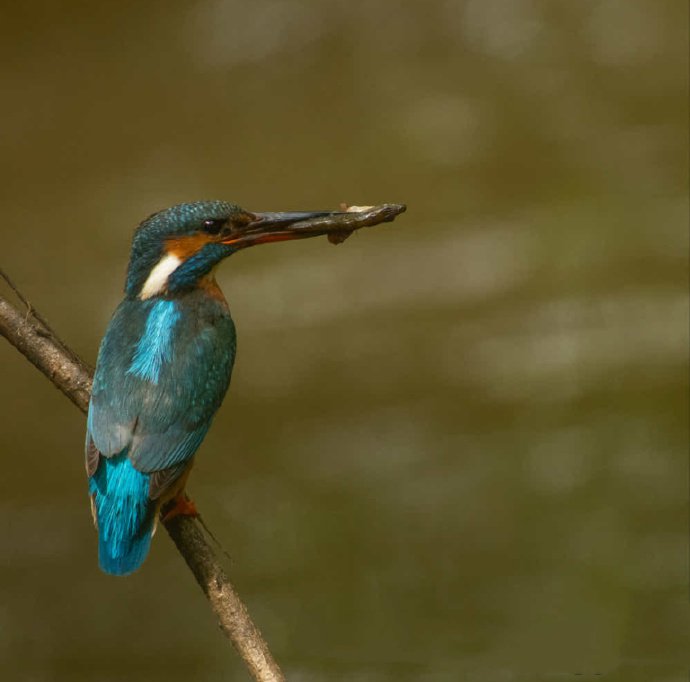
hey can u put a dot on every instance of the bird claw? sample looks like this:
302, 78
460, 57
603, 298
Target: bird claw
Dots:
181, 505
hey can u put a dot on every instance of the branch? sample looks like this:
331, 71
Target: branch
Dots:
30, 334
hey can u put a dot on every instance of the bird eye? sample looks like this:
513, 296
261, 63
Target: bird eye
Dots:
213, 226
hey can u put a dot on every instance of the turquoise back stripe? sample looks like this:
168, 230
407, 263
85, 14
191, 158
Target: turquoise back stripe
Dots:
155, 345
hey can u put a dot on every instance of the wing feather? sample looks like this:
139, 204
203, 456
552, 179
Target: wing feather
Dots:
162, 422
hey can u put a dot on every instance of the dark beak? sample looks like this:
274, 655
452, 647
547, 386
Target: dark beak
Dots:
277, 227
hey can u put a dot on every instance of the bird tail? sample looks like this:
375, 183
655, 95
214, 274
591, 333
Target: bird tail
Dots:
124, 514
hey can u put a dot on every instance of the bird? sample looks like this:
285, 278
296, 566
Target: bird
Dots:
163, 368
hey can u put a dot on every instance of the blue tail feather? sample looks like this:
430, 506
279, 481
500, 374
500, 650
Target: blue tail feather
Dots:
124, 512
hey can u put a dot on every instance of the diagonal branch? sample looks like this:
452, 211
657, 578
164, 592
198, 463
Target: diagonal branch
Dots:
30, 334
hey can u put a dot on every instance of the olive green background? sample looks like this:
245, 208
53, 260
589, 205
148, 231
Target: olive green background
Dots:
455, 446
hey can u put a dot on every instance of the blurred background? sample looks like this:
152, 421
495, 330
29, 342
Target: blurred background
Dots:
455, 446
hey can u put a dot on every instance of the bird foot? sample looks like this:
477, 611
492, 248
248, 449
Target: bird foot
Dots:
181, 505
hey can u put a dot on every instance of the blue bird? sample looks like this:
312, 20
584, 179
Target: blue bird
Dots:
163, 368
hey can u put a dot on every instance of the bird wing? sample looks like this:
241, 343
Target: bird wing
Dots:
161, 422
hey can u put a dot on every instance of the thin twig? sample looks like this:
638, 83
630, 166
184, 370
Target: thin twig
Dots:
44, 326
339, 226
32, 336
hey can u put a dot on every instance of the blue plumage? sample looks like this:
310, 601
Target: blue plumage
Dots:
125, 516
155, 345
163, 367
157, 385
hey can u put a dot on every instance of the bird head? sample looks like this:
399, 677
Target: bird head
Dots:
174, 249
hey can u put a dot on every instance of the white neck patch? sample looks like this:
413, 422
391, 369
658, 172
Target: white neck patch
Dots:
158, 278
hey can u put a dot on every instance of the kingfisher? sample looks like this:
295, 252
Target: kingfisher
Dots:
163, 368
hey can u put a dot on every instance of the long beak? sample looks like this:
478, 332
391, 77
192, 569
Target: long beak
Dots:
278, 227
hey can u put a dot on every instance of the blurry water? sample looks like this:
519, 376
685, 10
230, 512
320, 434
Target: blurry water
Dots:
455, 447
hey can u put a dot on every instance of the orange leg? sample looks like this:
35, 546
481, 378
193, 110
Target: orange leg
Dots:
179, 505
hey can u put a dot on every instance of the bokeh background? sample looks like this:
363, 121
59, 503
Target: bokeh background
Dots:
455, 446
